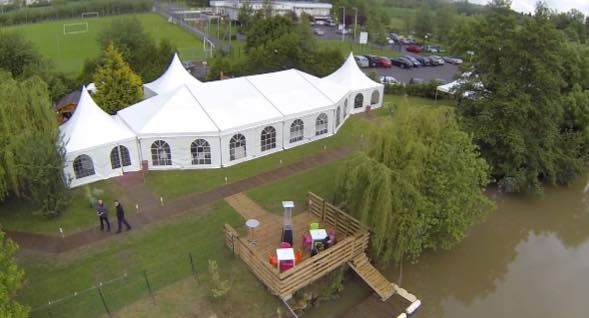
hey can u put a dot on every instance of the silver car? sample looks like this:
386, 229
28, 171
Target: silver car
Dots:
362, 61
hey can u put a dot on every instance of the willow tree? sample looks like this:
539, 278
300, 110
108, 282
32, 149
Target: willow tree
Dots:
419, 184
117, 86
31, 155
11, 278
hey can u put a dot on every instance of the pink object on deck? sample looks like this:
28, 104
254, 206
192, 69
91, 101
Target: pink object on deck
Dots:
307, 241
285, 245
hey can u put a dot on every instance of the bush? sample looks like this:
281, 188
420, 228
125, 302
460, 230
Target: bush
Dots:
427, 90
219, 287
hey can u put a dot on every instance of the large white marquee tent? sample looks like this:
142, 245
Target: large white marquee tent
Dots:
187, 124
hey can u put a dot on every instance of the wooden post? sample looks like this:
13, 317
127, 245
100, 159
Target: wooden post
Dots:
148, 286
103, 301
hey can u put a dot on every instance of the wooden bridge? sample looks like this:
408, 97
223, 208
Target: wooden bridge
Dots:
352, 242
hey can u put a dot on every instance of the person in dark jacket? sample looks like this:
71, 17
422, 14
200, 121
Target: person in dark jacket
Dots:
121, 216
102, 215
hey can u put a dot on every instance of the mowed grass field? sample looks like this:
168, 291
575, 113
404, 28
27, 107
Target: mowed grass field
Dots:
68, 52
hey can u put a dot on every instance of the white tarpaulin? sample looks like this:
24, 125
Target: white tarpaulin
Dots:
175, 76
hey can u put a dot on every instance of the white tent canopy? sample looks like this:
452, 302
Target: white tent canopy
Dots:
175, 76
90, 127
351, 77
177, 112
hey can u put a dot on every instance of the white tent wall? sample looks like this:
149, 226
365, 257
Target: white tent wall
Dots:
253, 139
366, 99
102, 163
180, 150
309, 131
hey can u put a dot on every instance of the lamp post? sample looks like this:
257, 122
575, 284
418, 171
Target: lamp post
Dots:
425, 41
343, 23
355, 21
470, 53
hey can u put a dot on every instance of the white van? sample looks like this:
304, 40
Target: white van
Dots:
362, 61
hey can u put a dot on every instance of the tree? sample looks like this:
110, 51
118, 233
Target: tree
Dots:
423, 22
16, 53
31, 165
11, 278
519, 120
137, 47
117, 86
266, 8
445, 17
245, 16
418, 185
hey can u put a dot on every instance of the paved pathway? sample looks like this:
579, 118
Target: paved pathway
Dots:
153, 212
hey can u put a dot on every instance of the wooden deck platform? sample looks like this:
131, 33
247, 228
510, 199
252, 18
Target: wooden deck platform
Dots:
352, 242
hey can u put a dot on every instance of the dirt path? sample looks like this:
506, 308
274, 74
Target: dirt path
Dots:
151, 211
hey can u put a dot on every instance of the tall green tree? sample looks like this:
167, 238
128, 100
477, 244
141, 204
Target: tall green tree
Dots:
11, 278
117, 86
418, 185
424, 22
444, 21
32, 158
245, 16
519, 119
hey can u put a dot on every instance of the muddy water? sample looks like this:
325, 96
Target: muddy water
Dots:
530, 258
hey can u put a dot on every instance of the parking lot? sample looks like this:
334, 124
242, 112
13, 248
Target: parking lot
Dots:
446, 72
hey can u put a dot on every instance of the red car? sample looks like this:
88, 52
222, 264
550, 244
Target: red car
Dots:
415, 49
384, 62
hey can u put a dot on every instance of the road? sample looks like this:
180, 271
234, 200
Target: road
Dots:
445, 72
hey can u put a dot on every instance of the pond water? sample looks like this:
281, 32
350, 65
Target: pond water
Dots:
529, 258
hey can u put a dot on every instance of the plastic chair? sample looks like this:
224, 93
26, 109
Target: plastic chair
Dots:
307, 241
272, 259
285, 245
314, 226
285, 265
298, 256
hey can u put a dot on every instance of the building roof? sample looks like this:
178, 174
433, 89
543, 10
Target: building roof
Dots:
175, 76
90, 127
351, 77
173, 113
69, 99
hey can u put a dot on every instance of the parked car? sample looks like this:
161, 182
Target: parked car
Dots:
390, 41
384, 62
372, 60
343, 31
362, 61
424, 60
413, 60
331, 23
401, 62
395, 37
414, 49
452, 60
436, 60
389, 80
318, 31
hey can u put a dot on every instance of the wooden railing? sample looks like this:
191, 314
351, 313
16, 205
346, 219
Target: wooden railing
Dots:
332, 215
356, 237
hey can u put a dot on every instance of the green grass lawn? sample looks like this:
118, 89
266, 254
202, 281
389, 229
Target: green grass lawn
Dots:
162, 251
18, 215
346, 47
173, 184
320, 180
68, 52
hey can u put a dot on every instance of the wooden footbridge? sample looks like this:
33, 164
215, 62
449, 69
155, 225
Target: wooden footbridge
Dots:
352, 242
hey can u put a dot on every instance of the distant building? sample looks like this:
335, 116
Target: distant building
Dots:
231, 7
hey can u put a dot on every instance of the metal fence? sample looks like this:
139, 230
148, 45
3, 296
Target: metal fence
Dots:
104, 297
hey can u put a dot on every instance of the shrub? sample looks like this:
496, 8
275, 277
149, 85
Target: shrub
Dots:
219, 287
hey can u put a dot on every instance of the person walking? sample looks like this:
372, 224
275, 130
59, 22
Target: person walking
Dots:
102, 215
121, 216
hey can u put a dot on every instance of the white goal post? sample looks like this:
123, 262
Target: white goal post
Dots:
92, 14
75, 28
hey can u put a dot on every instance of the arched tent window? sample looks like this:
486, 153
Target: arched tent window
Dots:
337, 119
83, 166
237, 147
160, 153
358, 100
200, 150
321, 124
119, 157
345, 108
268, 138
297, 130
375, 97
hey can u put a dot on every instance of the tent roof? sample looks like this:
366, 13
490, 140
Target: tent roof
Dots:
290, 92
91, 127
174, 112
235, 104
351, 77
334, 91
175, 76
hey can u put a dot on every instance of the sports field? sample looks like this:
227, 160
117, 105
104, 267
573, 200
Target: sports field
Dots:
68, 52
